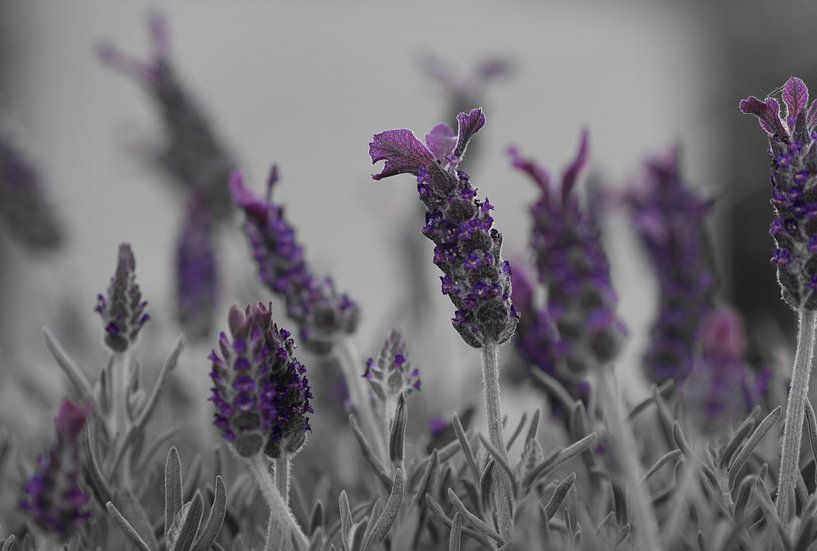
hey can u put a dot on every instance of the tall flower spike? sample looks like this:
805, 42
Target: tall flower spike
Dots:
53, 497
196, 271
311, 302
122, 310
670, 218
29, 215
467, 246
193, 154
572, 264
261, 394
794, 189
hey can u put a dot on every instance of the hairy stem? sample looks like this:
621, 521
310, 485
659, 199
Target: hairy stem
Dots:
493, 412
795, 413
282, 469
624, 452
280, 513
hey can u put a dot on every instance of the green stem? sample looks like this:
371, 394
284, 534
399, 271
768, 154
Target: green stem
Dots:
282, 469
280, 514
795, 413
624, 453
493, 412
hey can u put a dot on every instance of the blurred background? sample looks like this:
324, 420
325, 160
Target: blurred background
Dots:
305, 85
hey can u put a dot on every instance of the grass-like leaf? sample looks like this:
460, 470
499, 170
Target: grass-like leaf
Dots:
386, 519
173, 488
127, 528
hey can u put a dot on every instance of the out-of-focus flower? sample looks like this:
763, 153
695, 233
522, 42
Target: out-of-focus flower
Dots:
29, 215
467, 246
261, 393
122, 310
392, 374
794, 196
193, 154
53, 497
196, 272
670, 218
312, 302
573, 266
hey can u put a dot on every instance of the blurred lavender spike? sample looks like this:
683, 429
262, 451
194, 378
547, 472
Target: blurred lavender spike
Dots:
53, 497
261, 394
670, 218
24, 204
122, 309
197, 279
572, 264
312, 302
193, 155
467, 246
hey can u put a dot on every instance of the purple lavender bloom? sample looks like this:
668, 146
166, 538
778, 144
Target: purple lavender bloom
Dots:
193, 155
670, 218
261, 393
29, 216
196, 271
467, 246
53, 497
122, 310
312, 302
793, 166
571, 263
392, 373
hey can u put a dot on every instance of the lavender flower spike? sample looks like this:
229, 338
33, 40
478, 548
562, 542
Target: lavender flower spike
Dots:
193, 155
261, 394
391, 375
312, 302
467, 246
196, 271
53, 498
572, 264
122, 310
670, 219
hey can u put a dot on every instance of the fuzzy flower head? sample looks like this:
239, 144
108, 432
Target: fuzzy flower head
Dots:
792, 132
122, 310
28, 213
670, 218
311, 301
52, 497
193, 155
261, 394
572, 264
196, 271
392, 373
467, 246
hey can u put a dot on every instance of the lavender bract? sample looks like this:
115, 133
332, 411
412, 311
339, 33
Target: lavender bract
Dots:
261, 394
312, 302
670, 218
196, 272
467, 246
194, 155
392, 374
53, 497
122, 310
794, 196
572, 264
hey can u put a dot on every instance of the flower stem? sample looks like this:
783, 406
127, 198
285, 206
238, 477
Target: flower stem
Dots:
624, 453
795, 413
280, 514
493, 412
282, 469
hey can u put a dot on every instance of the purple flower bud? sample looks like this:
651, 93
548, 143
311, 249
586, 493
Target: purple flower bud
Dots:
28, 213
460, 225
53, 497
312, 302
572, 264
122, 310
794, 193
193, 154
392, 374
670, 218
261, 394
196, 272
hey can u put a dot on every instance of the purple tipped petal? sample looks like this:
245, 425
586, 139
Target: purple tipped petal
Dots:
402, 151
572, 172
71, 418
245, 199
767, 113
441, 141
468, 124
539, 175
115, 59
160, 34
795, 94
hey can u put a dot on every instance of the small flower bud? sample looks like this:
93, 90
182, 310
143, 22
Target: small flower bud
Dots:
122, 310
